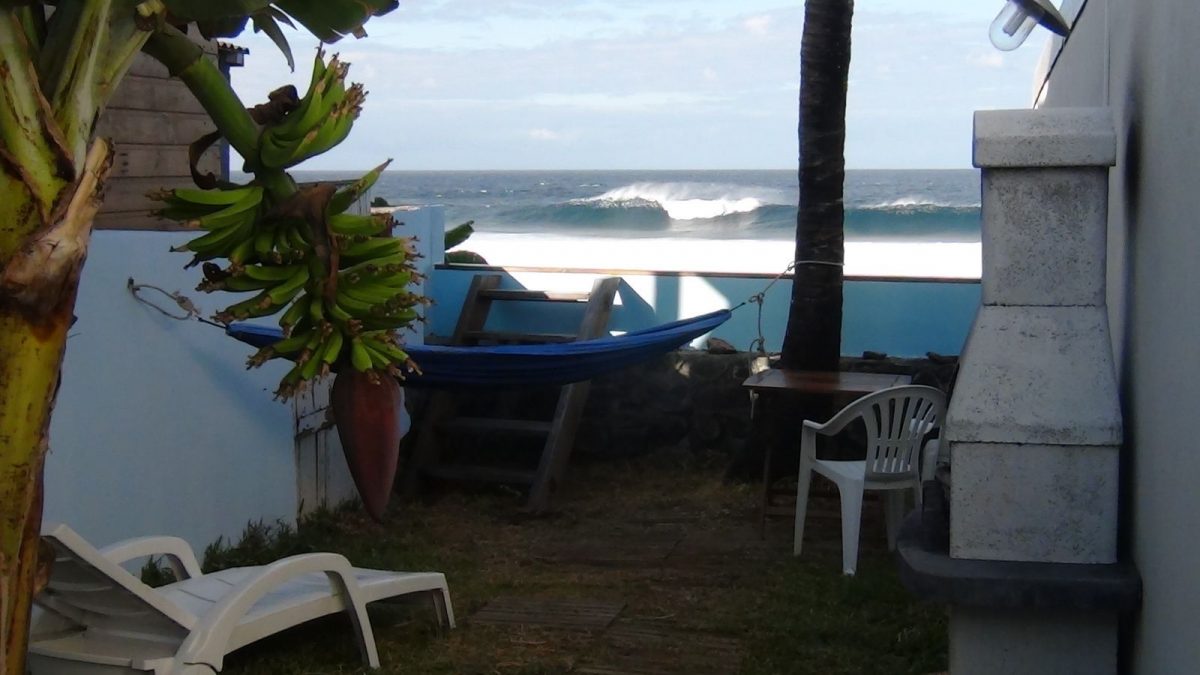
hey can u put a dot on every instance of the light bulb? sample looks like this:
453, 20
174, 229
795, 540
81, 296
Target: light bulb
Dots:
1016, 20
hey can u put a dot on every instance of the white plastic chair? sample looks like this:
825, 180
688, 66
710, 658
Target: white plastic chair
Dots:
100, 619
897, 421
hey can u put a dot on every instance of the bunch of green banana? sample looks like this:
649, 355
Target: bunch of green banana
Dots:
228, 215
322, 119
347, 318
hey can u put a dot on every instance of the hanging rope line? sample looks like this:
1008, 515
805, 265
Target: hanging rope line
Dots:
759, 344
185, 303
190, 310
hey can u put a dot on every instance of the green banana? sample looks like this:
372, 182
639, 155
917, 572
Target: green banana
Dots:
310, 367
264, 241
217, 197
184, 211
283, 246
240, 211
379, 360
243, 252
333, 347
287, 290
271, 272
337, 314
354, 307
375, 267
387, 348
360, 358
316, 308
241, 285
244, 309
217, 243
351, 224
292, 344
375, 247
294, 313
370, 295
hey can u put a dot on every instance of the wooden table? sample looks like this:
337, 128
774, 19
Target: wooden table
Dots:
844, 387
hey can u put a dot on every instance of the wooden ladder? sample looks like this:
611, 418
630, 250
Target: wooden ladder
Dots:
441, 415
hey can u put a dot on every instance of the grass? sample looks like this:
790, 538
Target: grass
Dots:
675, 544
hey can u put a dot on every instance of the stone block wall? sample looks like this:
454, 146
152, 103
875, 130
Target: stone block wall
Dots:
688, 402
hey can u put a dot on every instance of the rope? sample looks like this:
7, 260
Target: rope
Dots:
190, 310
759, 344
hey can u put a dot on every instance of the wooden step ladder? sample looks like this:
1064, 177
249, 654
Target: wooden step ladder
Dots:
441, 417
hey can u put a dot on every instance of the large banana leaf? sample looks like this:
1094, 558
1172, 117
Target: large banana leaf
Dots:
332, 19
329, 20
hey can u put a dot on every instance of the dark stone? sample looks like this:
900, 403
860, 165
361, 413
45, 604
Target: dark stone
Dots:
719, 346
935, 517
932, 574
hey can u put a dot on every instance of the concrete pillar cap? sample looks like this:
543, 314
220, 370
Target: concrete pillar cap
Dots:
1046, 137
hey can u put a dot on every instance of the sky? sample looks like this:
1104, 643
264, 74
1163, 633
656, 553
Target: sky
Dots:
651, 84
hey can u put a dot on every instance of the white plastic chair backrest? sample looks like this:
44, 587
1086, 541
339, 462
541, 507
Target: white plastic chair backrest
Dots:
897, 420
93, 591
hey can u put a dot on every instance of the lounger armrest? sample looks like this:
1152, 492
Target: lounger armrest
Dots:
206, 644
177, 552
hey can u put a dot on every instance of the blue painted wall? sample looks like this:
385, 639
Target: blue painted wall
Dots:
159, 427
901, 317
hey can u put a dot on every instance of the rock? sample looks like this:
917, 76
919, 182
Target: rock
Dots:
719, 346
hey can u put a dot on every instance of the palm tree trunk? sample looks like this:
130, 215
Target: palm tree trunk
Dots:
813, 337
38, 285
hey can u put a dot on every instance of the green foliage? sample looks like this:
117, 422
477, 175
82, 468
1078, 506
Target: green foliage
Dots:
458, 234
259, 544
379, 202
809, 620
328, 20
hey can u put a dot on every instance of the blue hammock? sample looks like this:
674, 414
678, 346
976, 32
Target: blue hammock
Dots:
523, 365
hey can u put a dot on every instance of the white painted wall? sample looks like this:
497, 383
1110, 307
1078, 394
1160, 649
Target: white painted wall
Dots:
159, 428
1149, 65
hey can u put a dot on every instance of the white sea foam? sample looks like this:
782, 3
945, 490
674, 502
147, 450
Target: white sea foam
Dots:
915, 203
685, 201
951, 260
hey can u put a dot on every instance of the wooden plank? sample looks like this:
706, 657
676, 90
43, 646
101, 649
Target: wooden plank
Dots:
163, 128
135, 160
129, 194
533, 296
573, 614
144, 92
631, 647
479, 474
570, 403
473, 314
146, 65
134, 220
497, 425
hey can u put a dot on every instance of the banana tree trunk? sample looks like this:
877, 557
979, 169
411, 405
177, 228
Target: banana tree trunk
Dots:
38, 285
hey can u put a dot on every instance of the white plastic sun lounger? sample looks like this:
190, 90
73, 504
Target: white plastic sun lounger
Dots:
101, 620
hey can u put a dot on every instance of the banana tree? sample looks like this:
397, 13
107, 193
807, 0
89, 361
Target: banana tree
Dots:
59, 64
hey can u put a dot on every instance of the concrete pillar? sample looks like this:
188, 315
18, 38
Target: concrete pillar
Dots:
1034, 425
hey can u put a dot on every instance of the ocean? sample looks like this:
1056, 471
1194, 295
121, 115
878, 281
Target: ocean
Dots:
914, 223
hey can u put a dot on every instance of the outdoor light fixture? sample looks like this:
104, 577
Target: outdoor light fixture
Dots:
1015, 22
